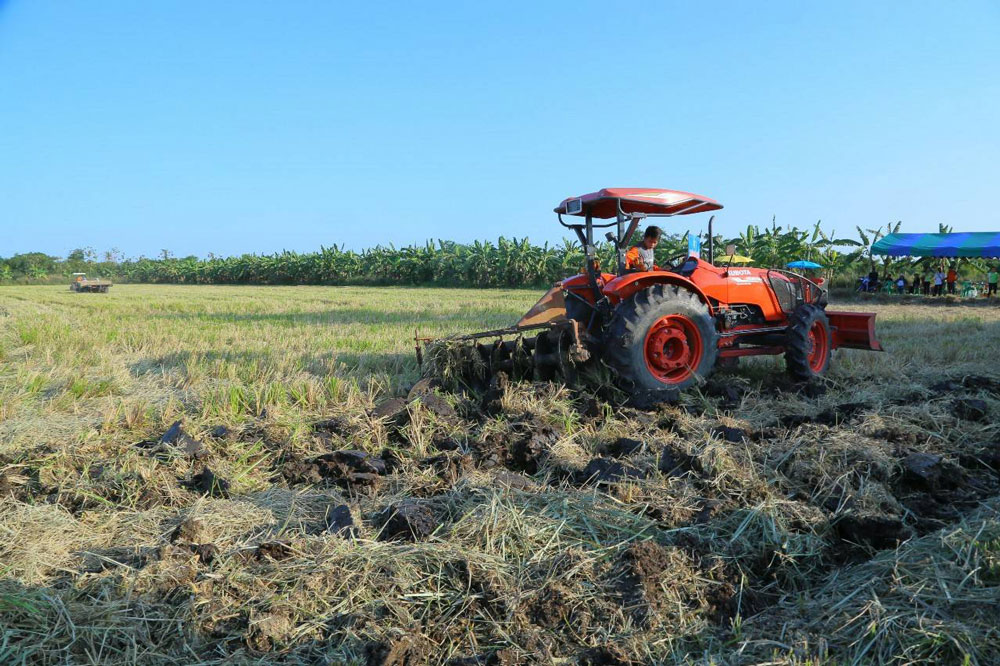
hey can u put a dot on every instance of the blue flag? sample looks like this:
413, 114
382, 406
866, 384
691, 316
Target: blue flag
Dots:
694, 245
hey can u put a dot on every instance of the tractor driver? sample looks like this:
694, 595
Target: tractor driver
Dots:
640, 257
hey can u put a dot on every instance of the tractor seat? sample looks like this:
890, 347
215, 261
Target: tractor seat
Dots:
687, 267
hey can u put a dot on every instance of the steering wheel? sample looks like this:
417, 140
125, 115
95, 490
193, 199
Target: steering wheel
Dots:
673, 263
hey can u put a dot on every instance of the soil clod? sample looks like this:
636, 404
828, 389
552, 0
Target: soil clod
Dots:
207, 482
730, 394
604, 471
707, 509
410, 520
449, 466
970, 409
438, 406
393, 411
514, 480
402, 651
675, 463
644, 565
608, 655
447, 445
273, 550
332, 426
979, 383
206, 552
340, 522
730, 434
922, 469
813, 390
649, 400
491, 404
504, 657
987, 457
392, 460
172, 433
946, 386
191, 530
590, 407
623, 447
831, 416
878, 532
532, 449
552, 608
183, 442
349, 469
425, 386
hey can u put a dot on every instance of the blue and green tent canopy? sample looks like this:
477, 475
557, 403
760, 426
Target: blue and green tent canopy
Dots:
984, 244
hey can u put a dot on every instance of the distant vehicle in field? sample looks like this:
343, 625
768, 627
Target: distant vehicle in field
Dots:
82, 283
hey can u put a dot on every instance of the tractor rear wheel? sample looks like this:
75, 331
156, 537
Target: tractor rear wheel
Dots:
807, 351
662, 338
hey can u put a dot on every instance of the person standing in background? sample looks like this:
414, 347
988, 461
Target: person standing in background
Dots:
938, 282
952, 278
915, 285
992, 278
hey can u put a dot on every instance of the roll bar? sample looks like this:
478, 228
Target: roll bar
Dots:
585, 234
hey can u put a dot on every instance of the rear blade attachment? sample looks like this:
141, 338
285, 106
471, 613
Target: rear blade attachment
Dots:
854, 330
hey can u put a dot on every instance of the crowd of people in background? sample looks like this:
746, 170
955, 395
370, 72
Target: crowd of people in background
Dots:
927, 283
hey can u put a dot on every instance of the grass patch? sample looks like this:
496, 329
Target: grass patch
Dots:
808, 538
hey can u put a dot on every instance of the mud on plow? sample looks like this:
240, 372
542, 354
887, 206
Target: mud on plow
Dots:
543, 345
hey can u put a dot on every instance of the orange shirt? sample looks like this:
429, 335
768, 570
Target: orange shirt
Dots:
634, 261
952, 275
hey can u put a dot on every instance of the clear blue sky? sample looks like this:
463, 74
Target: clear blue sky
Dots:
254, 126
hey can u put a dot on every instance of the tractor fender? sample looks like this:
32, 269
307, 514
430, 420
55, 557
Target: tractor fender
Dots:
580, 284
624, 287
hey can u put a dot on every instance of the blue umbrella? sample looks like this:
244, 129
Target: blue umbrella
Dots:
804, 264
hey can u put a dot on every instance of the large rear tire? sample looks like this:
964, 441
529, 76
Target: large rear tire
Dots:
662, 338
809, 345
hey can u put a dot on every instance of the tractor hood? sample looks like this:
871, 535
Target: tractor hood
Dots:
605, 203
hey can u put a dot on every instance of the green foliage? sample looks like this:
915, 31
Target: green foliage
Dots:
510, 262
31, 264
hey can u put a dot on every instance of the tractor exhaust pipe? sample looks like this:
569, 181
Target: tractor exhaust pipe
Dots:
711, 242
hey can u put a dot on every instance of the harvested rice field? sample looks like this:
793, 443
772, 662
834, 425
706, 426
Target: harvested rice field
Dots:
254, 475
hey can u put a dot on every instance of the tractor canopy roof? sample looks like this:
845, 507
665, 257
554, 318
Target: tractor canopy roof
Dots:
605, 203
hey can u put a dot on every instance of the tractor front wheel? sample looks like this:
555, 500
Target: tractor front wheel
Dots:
807, 352
662, 338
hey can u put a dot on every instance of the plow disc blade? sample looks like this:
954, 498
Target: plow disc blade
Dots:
552, 353
550, 308
854, 330
471, 361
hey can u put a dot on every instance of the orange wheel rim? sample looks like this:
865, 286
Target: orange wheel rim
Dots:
819, 346
673, 348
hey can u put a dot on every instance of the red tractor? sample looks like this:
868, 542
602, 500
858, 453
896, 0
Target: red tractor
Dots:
667, 328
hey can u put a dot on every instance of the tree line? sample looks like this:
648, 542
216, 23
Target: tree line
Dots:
509, 262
